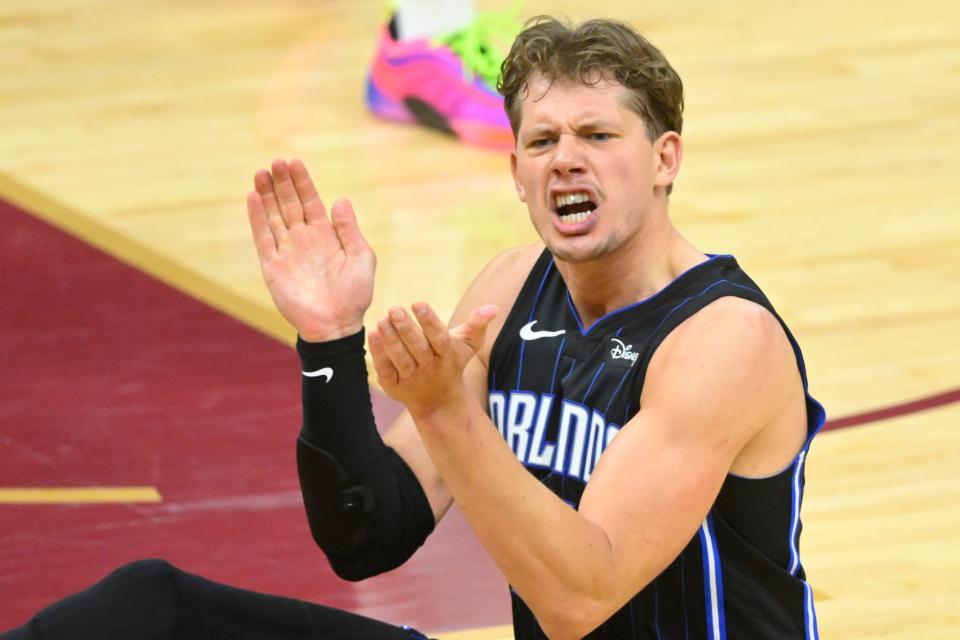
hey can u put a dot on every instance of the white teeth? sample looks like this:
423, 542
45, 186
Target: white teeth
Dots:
565, 199
574, 218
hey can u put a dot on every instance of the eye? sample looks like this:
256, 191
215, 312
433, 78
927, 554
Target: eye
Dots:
599, 136
539, 143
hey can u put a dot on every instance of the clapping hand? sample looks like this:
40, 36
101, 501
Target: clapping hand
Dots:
421, 363
318, 269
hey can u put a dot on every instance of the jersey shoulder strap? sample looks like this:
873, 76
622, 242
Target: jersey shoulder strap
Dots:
523, 307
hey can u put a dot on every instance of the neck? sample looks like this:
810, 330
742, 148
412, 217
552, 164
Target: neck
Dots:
636, 270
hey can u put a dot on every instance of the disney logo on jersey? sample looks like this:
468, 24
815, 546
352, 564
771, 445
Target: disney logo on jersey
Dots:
621, 351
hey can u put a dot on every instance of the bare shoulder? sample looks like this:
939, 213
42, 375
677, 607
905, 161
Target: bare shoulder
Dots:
749, 325
499, 283
729, 361
505, 273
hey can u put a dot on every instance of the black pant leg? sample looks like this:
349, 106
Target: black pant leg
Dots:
213, 610
137, 601
153, 600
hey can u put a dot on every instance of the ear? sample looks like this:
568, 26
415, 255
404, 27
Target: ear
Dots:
516, 183
668, 151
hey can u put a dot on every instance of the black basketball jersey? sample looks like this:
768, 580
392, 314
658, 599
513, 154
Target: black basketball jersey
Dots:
560, 392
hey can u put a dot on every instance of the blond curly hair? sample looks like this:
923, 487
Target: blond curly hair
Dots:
590, 52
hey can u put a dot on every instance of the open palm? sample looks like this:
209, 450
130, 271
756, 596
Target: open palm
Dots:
319, 269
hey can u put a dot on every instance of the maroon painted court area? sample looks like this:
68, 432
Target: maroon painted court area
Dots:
112, 378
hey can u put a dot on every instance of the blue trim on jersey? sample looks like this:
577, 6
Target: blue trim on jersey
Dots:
519, 440
811, 632
630, 412
819, 415
538, 439
556, 363
533, 309
712, 581
811, 628
797, 498
523, 346
567, 442
683, 302
813, 608
599, 369
536, 297
500, 422
576, 315
584, 332
623, 379
413, 633
723, 609
656, 608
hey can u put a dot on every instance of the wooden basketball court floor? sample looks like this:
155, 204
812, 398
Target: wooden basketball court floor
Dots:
822, 148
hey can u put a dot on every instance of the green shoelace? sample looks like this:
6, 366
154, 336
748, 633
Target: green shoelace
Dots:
484, 43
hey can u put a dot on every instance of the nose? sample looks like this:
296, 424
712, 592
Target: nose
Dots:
568, 155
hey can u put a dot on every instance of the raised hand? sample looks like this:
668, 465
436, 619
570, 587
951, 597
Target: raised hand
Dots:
421, 363
319, 270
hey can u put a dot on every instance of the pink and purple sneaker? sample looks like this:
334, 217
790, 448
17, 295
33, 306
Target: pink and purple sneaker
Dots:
446, 85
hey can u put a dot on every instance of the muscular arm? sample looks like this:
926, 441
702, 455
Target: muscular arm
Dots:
719, 380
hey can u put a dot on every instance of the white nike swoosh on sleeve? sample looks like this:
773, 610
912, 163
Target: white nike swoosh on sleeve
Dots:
325, 372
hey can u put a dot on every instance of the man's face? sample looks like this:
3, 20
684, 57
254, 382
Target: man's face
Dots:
584, 166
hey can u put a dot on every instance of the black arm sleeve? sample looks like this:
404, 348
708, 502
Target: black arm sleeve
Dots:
366, 508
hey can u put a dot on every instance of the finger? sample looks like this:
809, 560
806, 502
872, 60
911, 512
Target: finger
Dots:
473, 331
394, 349
433, 328
264, 185
381, 363
348, 231
411, 336
290, 206
313, 210
262, 236
482, 316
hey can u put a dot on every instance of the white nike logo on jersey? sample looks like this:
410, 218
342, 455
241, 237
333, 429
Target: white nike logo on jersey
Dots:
325, 372
527, 332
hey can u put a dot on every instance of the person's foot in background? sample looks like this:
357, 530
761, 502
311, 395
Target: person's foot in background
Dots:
436, 65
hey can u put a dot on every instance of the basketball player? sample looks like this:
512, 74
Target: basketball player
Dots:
622, 418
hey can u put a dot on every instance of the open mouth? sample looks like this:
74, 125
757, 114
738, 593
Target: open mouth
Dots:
574, 207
